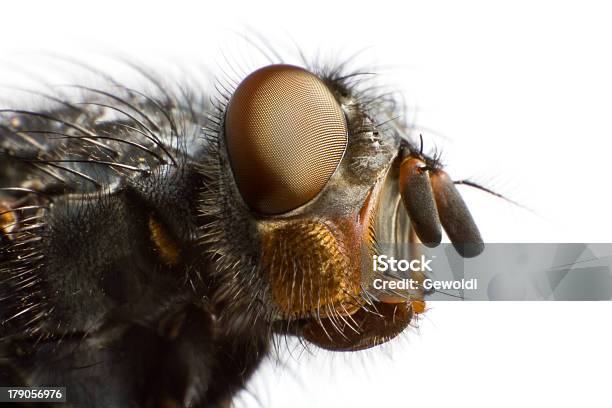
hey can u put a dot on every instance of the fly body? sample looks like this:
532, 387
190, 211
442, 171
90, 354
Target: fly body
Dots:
155, 245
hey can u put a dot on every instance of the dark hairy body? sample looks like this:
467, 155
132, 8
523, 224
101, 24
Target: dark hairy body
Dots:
140, 268
101, 309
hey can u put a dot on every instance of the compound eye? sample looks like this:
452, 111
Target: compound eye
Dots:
285, 136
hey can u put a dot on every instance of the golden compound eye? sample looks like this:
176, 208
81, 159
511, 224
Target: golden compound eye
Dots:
285, 135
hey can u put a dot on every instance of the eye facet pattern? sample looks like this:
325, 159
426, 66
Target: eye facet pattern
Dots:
285, 135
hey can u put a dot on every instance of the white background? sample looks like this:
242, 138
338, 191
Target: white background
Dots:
522, 92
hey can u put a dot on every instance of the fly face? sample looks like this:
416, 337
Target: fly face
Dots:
321, 182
